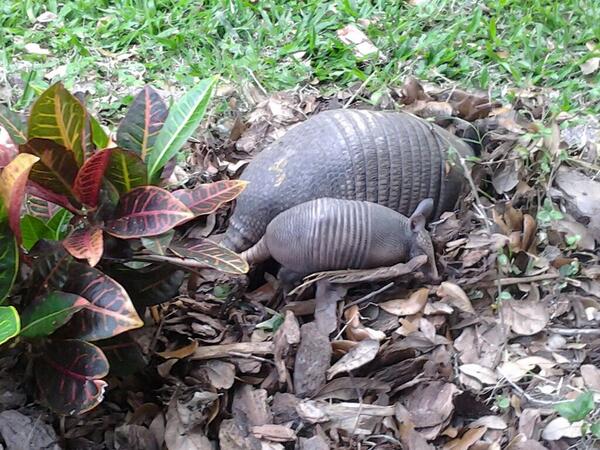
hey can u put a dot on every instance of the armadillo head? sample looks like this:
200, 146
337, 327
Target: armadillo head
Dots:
235, 239
420, 243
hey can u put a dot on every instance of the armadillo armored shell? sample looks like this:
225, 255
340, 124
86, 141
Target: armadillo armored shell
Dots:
390, 158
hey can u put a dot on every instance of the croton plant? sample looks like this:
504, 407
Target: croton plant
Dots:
89, 238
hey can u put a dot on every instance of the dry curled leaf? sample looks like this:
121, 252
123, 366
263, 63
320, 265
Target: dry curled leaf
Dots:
483, 374
360, 355
456, 296
275, 433
524, 317
361, 44
430, 404
466, 440
406, 307
560, 428
356, 331
180, 353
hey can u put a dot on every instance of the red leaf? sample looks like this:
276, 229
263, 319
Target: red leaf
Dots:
57, 168
110, 311
89, 178
147, 211
211, 254
13, 180
46, 194
68, 374
85, 243
207, 198
41, 208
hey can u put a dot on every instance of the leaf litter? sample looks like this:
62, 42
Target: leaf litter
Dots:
381, 358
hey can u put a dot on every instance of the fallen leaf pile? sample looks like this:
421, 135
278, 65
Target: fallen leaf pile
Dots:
382, 359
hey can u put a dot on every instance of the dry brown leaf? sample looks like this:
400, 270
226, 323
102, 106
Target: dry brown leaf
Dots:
312, 361
181, 432
46, 17
560, 427
590, 66
180, 353
489, 422
455, 295
35, 49
406, 307
413, 91
466, 440
525, 317
275, 433
287, 334
412, 439
316, 442
326, 297
506, 176
430, 404
591, 376
357, 418
355, 330
582, 196
527, 444
572, 228
221, 374
360, 355
483, 374
436, 308
529, 229
225, 350
528, 422
515, 370
361, 44
20, 431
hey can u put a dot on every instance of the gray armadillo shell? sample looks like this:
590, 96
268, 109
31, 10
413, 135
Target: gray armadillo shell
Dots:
331, 234
390, 158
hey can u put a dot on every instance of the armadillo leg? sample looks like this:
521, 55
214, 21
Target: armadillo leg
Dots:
257, 253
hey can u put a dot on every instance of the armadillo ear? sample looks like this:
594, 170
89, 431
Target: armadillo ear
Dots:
417, 223
425, 208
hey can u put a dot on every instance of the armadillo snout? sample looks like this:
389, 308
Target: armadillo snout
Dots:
424, 246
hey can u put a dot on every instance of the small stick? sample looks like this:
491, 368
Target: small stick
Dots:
360, 89
517, 280
574, 331
369, 296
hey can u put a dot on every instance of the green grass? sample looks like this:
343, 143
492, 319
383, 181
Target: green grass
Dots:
118, 45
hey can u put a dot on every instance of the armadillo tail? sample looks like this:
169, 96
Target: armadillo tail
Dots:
257, 253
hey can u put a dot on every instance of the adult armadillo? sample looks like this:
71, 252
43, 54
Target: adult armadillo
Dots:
390, 158
336, 234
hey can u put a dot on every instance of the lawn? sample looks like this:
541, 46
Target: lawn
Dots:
115, 46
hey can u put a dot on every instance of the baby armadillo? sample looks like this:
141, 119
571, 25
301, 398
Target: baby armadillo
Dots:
336, 234
389, 158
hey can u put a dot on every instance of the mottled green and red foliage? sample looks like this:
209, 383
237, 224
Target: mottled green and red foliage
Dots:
69, 375
92, 197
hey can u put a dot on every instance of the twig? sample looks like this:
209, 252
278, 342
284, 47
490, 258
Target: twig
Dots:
522, 393
517, 280
574, 331
248, 356
260, 86
359, 90
369, 296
